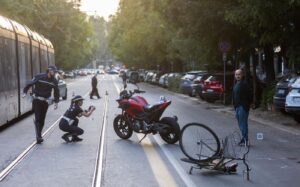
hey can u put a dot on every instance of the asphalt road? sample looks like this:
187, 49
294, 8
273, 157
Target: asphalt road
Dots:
274, 161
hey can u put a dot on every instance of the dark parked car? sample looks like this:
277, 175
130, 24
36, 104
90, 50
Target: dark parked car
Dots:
186, 83
133, 77
213, 88
198, 84
281, 91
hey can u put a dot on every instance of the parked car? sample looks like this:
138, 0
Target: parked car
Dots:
142, 75
133, 77
173, 77
213, 88
292, 102
281, 91
149, 76
69, 74
155, 79
198, 84
187, 82
163, 80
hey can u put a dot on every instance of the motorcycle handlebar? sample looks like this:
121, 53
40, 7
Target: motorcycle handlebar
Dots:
126, 94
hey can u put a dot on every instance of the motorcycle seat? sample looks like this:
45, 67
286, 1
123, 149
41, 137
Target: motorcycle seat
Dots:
150, 108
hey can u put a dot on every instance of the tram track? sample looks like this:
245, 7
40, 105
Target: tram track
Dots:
9, 168
97, 177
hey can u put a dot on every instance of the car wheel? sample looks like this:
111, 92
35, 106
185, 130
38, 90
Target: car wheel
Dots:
66, 95
297, 118
210, 100
193, 94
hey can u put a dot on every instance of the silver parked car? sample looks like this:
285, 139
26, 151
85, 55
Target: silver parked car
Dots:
292, 102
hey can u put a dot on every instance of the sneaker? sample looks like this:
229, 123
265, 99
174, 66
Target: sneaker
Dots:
76, 139
66, 138
39, 140
242, 143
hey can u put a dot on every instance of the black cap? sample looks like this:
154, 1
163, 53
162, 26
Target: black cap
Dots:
52, 67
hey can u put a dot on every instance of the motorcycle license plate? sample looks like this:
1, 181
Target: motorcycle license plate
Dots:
280, 91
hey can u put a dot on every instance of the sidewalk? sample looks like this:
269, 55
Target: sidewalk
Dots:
273, 119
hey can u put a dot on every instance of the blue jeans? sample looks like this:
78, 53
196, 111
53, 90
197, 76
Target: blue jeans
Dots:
242, 117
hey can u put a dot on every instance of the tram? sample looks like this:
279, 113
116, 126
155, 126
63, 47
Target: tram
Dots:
23, 54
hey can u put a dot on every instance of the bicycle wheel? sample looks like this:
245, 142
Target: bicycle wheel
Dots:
198, 142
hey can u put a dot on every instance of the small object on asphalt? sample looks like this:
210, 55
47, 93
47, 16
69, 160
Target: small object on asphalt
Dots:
259, 136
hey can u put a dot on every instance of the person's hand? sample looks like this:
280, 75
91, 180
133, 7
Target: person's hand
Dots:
92, 108
252, 105
55, 106
24, 95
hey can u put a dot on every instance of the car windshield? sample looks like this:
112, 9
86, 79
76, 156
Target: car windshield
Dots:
189, 76
295, 90
292, 80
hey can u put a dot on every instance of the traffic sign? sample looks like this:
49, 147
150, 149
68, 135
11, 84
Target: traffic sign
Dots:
224, 47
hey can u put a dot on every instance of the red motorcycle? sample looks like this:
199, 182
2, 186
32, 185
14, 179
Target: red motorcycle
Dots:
140, 117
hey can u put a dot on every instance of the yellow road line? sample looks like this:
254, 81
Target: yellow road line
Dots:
161, 172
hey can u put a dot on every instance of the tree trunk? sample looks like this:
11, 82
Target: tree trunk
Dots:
254, 82
269, 61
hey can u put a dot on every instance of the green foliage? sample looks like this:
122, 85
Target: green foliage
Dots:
267, 95
71, 33
174, 84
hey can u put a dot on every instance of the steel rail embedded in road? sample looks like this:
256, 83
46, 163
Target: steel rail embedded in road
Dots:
98, 167
15, 162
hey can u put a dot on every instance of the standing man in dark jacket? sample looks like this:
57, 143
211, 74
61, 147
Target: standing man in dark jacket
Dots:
94, 87
242, 100
42, 85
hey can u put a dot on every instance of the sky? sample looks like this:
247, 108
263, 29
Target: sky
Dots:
102, 8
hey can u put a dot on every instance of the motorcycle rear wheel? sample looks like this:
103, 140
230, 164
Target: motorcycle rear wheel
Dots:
173, 131
122, 127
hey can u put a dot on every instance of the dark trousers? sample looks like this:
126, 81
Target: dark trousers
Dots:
40, 109
71, 129
94, 92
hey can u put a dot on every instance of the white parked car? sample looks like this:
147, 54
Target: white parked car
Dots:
292, 102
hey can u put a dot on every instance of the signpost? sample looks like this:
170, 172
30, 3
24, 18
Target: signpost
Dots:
224, 47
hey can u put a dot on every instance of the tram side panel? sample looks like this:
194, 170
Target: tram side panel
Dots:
9, 79
44, 57
51, 56
25, 73
35, 58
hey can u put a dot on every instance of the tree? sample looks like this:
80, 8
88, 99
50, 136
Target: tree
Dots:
61, 22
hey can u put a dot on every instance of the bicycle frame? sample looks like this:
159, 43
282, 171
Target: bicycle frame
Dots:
220, 158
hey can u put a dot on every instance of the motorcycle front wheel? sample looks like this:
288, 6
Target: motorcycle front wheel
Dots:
173, 130
122, 127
